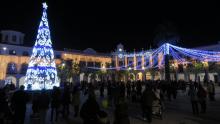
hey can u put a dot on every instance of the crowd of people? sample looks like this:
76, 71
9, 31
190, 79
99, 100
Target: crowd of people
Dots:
150, 95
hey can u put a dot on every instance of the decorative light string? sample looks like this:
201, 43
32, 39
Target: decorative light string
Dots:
178, 53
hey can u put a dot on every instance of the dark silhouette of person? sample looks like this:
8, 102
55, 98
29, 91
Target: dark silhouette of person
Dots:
55, 102
76, 100
211, 91
109, 92
128, 86
121, 112
202, 94
90, 110
66, 101
102, 89
4, 108
35, 104
174, 89
19, 101
169, 91
146, 103
122, 89
194, 98
44, 105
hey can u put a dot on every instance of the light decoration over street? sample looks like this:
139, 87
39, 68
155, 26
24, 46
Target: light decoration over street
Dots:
178, 53
41, 72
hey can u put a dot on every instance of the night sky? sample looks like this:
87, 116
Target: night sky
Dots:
103, 25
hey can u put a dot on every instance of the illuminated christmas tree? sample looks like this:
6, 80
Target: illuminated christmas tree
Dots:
41, 72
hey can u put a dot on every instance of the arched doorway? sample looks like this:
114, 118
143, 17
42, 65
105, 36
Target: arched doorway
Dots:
148, 76
131, 77
10, 79
157, 76
12, 68
89, 78
81, 77
21, 81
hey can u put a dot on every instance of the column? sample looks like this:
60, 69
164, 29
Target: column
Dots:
126, 62
160, 58
142, 62
93, 64
86, 63
116, 62
135, 62
176, 70
206, 67
150, 60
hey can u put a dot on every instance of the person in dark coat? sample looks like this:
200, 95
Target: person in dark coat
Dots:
211, 91
121, 112
44, 105
4, 108
169, 91
55, 102
110, 92
76, 100
128, 86
146, 103
194, 98
102, 89
90, 110
122, 89
66, 101
19, 101
35, 104
202, 98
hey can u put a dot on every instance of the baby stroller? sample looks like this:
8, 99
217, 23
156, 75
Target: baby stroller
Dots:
157, 109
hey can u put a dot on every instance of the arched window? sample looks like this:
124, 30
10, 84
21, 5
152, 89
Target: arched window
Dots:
11, 68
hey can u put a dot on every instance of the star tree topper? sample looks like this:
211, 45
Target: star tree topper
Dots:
45, 5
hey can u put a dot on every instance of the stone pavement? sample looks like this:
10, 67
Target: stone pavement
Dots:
176, 112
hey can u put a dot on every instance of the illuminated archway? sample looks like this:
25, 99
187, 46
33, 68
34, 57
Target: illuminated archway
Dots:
12, 68
139, 76
148, 76
81, 77
10, 79
89, 78
157, 76
131, 77
21, 81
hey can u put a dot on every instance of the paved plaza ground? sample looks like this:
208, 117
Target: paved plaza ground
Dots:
176, 112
